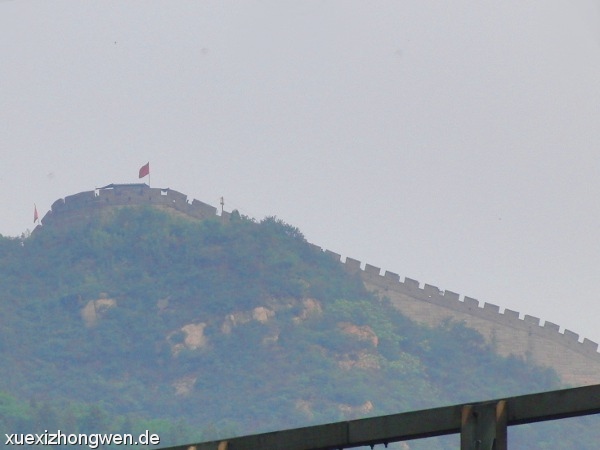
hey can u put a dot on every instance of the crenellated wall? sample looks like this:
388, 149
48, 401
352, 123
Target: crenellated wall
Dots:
84, 204
577, 363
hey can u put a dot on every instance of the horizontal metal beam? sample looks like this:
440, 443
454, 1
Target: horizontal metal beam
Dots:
412, 425
581, 401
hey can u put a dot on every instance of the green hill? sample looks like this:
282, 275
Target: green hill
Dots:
141, 319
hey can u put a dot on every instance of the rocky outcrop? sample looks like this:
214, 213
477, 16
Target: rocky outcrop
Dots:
261, 314
362, 332
184, 385
359, 360
95, 309
190, 336
310, 308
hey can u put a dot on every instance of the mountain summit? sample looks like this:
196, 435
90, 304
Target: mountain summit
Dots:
132, 306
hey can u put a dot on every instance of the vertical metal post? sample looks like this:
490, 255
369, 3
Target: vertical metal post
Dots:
484, 426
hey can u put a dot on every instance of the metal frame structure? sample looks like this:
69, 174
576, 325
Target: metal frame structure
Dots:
482, 425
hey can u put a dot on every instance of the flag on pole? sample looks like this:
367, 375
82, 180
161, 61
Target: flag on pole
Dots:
35, 214
145, 170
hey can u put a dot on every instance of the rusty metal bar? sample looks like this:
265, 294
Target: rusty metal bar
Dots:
426, 423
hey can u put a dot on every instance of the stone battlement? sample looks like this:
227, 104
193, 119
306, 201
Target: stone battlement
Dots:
468, 305
577, 362
127, 195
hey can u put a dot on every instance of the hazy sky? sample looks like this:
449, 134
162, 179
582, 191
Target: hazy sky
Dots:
456, 143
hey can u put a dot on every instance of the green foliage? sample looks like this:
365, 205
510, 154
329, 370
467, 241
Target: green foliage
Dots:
131, 367
38, 417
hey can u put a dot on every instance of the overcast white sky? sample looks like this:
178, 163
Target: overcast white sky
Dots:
456, 143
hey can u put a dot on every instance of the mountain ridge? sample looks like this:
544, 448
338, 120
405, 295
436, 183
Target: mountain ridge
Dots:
141, 312
576, 362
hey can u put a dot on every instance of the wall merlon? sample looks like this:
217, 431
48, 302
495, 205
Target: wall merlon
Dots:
510, 314
391, 276
571, 336
590, 345
352, 264
431, 291
531, 320
451, 296
335, 256
471, 302
551, 326
411, 285
372, 270
315, 247
490, 308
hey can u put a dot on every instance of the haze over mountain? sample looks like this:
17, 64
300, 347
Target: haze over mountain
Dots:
454, 143
129, 318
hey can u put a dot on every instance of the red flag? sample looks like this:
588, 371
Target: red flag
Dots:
145, 170
35, 214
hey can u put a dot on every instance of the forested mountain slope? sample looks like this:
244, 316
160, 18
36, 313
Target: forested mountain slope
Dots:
139, 318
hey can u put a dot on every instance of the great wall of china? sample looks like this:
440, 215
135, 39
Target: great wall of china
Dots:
577, 363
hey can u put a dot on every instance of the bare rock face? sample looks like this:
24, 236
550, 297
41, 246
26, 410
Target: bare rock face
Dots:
311, 308
359, 410
184, 385
193, 338
359, 360
95, 309
262, 314
305, 407
361, 332
233, 320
